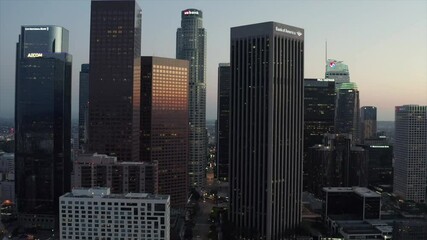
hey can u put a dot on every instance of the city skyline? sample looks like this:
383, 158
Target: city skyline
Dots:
386, 53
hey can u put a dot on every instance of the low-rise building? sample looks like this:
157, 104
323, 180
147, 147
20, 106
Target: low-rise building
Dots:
95, 213
100, 170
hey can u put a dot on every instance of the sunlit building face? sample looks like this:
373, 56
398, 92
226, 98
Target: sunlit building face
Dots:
164, 123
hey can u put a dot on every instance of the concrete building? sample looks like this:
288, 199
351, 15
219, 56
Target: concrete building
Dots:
410, 152
191, 46
99, 170
266, 129
95, 213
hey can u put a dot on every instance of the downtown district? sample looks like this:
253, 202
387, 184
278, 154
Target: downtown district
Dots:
291, 158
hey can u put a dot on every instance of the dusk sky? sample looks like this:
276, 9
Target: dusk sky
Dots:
383, 42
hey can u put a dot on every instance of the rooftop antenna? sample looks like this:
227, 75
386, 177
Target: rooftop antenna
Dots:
326, 51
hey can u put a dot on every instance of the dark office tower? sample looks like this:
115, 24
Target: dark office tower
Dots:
380, 164
223, 116
410, 152
368, 122
266, 129
43, 124
319, 110
114, 79
347, 111
83, 107
191, 46
164, 124
336, 163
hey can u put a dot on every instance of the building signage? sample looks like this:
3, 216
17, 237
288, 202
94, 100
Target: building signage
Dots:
37, 29
284, 30
189, 12
34, 55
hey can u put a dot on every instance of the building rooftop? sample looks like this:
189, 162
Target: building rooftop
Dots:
104, 192
362, 191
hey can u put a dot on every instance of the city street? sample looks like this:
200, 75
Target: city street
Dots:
201, 228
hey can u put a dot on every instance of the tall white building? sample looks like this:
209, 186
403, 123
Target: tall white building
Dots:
191, 46
410, 152
95, 213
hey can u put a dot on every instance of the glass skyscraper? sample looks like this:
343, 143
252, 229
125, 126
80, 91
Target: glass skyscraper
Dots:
223, 116
115, 78
42, 124
191, 46
410, 152
338, 71
266, 129
347, 111
368, 122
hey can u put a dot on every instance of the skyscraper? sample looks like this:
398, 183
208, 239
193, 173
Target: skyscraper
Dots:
338, 71
266, 129
410, 152
114, 79
191, 46
368, 122
223, 116
319, 110
42, 123
164, 124
83, 107
347, 110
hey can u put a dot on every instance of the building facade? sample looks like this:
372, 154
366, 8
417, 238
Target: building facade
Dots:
164, 124
223, 117
42, 123
347, 111
368, 123
191, 46
95, 213
410, 152
114, 78
266, 129
83, 107
99, 170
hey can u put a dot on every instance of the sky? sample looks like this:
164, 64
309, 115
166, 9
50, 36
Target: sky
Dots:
383, 42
